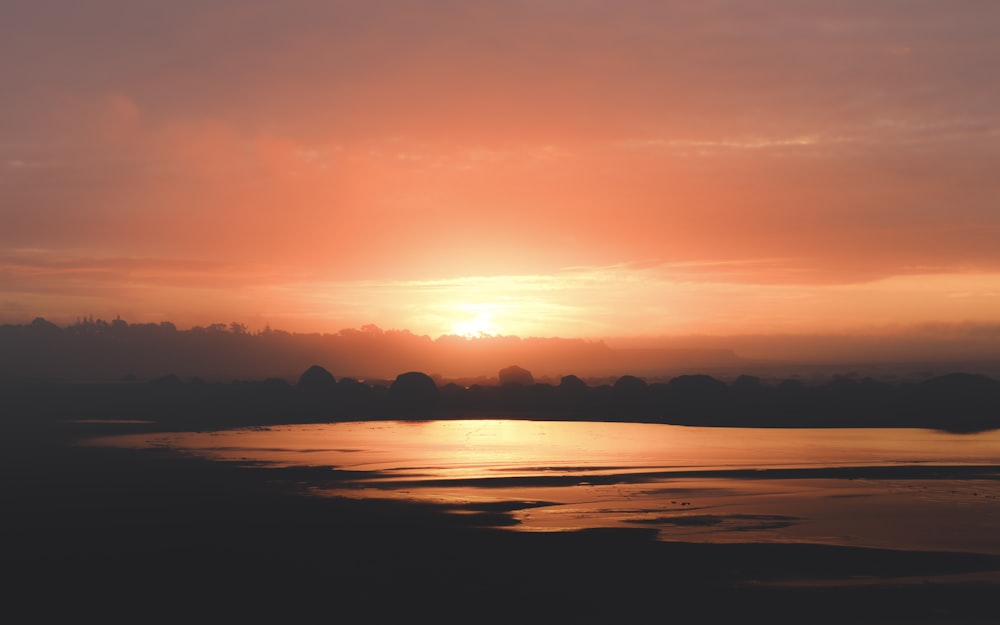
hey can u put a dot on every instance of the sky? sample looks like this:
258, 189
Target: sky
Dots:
587, 168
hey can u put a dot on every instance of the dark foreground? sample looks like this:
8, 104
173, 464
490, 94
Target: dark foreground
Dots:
141, 536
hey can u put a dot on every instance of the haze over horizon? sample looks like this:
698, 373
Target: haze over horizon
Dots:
623, 170
96, 350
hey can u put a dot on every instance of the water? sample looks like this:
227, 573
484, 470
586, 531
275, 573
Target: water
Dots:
895, 488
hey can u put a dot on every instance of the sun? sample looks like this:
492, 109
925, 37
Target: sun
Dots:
475, 328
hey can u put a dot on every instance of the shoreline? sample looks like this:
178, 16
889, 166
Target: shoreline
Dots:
955, 402
189, 534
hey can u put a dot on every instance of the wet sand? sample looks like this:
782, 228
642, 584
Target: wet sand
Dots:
143, 535
872, 487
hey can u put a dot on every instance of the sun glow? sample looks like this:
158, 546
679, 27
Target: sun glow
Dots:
477, 327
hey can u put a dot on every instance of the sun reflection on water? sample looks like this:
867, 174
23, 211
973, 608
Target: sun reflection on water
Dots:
689, 483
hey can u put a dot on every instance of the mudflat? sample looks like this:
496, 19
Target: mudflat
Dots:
144, 535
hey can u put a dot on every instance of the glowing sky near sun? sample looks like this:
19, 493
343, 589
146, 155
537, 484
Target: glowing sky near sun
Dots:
540, 168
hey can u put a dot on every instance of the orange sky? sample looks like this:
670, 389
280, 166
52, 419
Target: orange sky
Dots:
538, 168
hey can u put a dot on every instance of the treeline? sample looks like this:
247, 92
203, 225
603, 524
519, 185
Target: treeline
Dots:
958, 402
96, 350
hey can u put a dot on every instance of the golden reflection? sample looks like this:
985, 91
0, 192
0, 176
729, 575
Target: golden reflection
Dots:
838, 486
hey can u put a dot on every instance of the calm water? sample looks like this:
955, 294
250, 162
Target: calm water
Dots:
899, 488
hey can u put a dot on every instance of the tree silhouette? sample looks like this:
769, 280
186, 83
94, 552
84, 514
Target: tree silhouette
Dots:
413, 392
316, 378
514, 375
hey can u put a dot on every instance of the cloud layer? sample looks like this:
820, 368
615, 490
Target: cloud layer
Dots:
220, 151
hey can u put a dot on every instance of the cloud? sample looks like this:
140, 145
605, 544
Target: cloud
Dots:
778, 145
